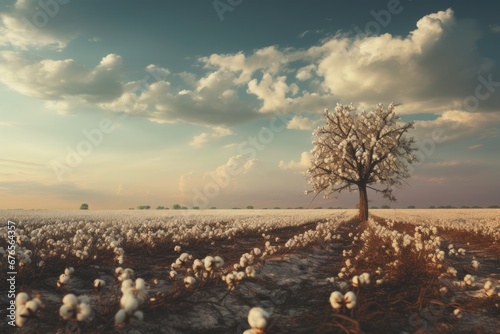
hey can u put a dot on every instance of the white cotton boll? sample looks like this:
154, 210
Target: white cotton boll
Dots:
66, 312
197, 265
172, 274
69, 271
127, 285
230, 279
99, 284
140, 284
256, 251
475, 264
208, 262
458, 313
470, 280
177, 248
350, 300
129, 303
336, 300
21, 299
356, 281
31, 306
120, 317
118, 271
365, 278
189, 281
240, 275
63, 279
348, 263
250, 271
22, 315
83, 312
257, 318
137, 317
219, 262
70, 300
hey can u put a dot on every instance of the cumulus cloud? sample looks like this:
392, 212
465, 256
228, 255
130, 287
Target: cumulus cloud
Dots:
300, 123
205, 137
433, 69
25, 25
297, 166
62, 83
456, 124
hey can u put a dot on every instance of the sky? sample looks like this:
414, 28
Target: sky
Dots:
122, 103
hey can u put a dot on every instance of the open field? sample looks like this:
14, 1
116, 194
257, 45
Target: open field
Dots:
414, 271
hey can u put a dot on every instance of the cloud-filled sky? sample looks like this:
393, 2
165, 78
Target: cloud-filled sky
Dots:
213, 103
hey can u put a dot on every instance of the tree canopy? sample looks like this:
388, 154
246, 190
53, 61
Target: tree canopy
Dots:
356, 150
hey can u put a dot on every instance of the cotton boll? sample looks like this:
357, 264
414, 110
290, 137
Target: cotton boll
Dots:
70, 300
120, 317
356, 282
365, 278
208, 262
83, 312
172, 274
258, 318
350, 300
336, 300
31, 306
21, 299
240, 275
127, 285
219, 262
128, 302
63, 279
250, 271
66, 312
140, 284
197, 265
137, 317
22, 316
457, 313
99, 284
189, 282
256, 251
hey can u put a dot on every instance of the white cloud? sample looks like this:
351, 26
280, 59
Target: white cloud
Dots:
271, 92
455, 125
205, 137
297, 166
495, 28
300, 123
63, 83
474, 147
28, 25
304, 73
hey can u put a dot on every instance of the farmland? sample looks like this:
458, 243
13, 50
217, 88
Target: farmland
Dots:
201, 271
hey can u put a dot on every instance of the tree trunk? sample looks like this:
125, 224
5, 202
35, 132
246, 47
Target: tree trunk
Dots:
363, 203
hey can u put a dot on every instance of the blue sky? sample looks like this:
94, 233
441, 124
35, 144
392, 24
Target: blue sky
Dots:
212, 103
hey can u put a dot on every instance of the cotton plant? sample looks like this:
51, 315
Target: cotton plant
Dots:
338, 301
75, 308
26, 308
65, 277
134, 296
258, 319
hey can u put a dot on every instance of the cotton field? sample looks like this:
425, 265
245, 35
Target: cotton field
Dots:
250, 271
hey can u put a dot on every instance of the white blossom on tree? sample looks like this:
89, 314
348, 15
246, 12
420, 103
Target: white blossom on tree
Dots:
355, 151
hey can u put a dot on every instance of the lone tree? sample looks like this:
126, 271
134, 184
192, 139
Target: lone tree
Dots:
357, 150
84, 206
